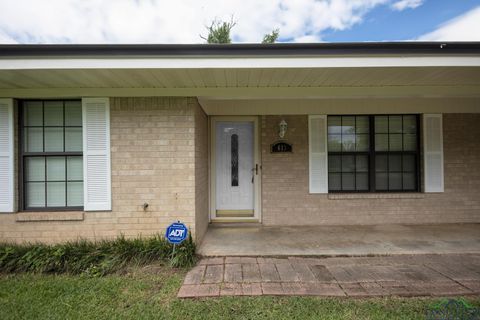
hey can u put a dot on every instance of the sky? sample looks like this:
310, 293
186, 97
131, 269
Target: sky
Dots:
184, 21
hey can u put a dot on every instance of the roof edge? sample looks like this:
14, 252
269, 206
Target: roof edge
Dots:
244, 49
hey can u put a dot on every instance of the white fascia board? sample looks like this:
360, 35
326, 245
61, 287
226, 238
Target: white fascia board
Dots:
237, 62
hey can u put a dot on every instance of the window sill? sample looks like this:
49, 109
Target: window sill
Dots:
346, 196
49, 216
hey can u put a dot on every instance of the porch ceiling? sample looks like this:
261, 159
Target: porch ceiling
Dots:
252, 82
240, 77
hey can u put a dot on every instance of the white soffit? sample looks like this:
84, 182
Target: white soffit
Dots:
240, 78
243, 77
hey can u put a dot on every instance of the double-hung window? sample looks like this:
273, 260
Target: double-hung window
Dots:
373, 153
51, 154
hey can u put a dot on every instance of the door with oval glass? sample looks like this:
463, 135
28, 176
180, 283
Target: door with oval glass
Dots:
235, 169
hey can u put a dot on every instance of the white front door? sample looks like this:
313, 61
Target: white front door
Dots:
235, 169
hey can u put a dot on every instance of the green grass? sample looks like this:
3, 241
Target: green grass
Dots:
150, 293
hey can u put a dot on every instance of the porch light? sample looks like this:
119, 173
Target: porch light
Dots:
283, 126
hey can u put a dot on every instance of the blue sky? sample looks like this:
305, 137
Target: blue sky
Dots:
183, 21
382, 24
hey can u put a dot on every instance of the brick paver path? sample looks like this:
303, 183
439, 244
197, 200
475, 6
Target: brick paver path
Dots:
402, 275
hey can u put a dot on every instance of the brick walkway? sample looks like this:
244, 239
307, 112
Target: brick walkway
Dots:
401, 275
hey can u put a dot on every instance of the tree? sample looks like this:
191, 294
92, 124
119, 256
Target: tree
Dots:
219, 31
271, 37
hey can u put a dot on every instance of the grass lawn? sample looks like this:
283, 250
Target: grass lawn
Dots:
150, 293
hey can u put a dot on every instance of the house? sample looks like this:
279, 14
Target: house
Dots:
102, 140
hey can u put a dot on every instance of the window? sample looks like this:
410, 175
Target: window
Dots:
51, 154
373, 153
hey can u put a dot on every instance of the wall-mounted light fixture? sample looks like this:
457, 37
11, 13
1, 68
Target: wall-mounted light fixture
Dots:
282, 129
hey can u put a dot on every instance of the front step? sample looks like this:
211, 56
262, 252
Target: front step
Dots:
234, 213
236, 221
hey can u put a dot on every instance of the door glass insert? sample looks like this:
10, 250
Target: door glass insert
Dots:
234, 157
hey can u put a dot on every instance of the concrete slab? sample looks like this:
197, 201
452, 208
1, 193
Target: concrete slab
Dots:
339, 240
269, 272
199, 290
401, 275
213, 274
195, 275
233, 273
251, 272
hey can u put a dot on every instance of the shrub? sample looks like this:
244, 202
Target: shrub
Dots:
94, 258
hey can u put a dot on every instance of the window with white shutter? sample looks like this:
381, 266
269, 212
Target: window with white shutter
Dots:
51, 162
366, 153
96, 154
6, 156
433, 152
318, 155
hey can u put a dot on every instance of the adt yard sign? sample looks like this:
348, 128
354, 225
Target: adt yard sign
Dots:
176, 233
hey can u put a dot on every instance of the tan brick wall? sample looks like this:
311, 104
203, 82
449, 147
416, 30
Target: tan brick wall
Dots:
286, 201
154, 160
201, 173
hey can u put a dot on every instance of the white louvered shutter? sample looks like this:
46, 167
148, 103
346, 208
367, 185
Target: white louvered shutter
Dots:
318, 154
433, 152
96, 154
6, 156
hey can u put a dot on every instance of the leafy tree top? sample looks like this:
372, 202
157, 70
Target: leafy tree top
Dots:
271, 37
219, 32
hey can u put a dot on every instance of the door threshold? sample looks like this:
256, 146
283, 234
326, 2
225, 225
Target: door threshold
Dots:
235, 225
235, 214
234, 220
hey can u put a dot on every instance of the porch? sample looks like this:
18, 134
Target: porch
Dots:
160, 103
257, 240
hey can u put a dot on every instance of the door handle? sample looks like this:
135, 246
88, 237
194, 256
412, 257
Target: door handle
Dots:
254, 172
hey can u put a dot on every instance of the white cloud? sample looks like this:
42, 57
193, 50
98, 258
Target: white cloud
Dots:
5, 38
174, 21
309, 38
462, 28
406, 4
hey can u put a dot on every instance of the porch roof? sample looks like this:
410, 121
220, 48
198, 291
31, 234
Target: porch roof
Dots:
243, 71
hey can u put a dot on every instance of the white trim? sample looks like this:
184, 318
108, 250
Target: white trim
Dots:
7, 151
317, 161
238, 62
257, 160
89, 205
430, 184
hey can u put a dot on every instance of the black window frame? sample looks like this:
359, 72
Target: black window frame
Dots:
22, 155
372, 153
350, 153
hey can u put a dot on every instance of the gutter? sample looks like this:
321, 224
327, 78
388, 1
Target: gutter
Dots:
226, 50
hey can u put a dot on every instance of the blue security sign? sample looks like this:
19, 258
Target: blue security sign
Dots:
176, 233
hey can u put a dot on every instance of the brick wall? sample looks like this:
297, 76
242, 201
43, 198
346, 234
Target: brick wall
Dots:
286, 200
154, 159
159, 156
201, 173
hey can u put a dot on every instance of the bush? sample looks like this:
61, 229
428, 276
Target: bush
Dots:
95, 258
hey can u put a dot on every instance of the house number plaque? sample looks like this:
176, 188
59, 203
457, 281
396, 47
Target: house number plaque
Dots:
281, 147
